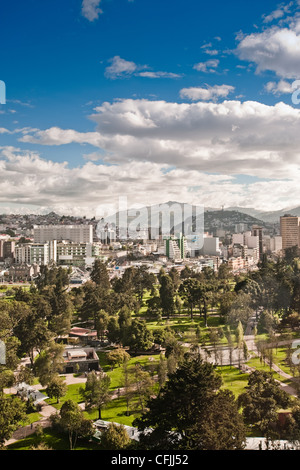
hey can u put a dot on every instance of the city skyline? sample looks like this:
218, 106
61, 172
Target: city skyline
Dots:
155, 101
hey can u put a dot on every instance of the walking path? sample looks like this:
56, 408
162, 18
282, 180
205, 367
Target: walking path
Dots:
45, 412
208, 353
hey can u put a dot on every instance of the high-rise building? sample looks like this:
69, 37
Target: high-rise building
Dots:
289, 231
73, 233
258, 232
175, 247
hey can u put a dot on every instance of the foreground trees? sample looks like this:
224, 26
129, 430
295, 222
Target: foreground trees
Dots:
12, 413
71, 420
263, 396
96, 391
191, 413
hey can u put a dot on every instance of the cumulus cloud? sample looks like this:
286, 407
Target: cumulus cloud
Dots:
119, 68
26, 179
275, 49
279, 88
90, 9
206, 94
231, 137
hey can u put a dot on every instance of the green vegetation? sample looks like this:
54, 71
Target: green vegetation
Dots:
176, 312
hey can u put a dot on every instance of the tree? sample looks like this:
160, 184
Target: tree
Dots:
57, 388
72, 421
239, 333
12, 413
143, 385
137, 336
114, 334
230, 342
184, 415
240, 310
189, 290
96, 391
263, 396
142, 280
222, 427
117, 356
175, 276
166, 293
115, 438
101, 323
162, 370
49, 363
99, 275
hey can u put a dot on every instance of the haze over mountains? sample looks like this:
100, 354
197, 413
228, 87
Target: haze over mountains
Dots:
270, 217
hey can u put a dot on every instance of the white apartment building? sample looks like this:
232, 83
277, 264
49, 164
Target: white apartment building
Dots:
272, 244
59, 252
74, 233
246, 239
34, 253
211, 246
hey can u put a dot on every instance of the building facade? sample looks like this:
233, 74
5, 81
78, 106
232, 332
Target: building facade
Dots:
289, 231
74, 233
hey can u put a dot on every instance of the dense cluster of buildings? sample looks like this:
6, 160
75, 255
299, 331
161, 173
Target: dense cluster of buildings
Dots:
78, 242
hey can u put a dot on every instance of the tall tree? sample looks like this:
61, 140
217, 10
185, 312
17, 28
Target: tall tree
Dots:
99, 274
184, 415
96, 391
49, 362
12, 413
263, 396
72, 421
167, 292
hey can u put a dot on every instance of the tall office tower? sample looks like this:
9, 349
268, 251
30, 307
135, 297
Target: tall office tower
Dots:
74, 233
289, 230
258, 232
9, 249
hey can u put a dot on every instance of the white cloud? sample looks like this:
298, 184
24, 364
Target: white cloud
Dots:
120, 67
208, 67
279, 88
206, 94
159, 75
278, 13
123, 68
28, 180
275, 49
90, 9
230, 138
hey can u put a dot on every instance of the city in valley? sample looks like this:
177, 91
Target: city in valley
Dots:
149, 228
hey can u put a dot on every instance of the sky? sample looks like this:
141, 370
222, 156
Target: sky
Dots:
153, 101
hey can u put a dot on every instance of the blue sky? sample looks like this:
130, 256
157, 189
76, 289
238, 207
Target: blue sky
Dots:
156, 100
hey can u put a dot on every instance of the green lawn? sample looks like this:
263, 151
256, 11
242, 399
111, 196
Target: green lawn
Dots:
233, 379
116, 411
53, 440
73, 393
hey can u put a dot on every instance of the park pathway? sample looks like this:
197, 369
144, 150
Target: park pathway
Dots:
45, 412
